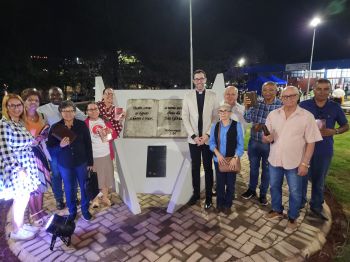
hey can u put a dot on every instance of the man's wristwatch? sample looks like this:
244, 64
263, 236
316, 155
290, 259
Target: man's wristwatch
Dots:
305, 165
337, 131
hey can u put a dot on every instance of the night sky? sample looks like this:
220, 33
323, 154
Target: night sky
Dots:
269, 31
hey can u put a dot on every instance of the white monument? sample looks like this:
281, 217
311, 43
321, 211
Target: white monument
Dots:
131, 154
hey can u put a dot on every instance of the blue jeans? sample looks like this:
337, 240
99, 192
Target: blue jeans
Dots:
225, 188
56, 178
258, 151
319, 166
70, 177
294, 184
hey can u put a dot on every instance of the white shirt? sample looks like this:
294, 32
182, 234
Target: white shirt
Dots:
99, 148
52, 115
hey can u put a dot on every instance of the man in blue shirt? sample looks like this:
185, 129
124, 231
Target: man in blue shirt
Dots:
326, 113
257, 150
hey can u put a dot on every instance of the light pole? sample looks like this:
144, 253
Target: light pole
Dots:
314, 23
191, 47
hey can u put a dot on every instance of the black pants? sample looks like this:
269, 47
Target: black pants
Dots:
197, 152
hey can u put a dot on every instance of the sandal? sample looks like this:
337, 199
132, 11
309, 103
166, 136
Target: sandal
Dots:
41, 222
95, 204
107, 202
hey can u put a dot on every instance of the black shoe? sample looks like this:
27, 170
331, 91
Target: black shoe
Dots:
208, 205
87, 216
227, 211
219, 209
263, 200
318, 214
193, 200
60, 205
249, 194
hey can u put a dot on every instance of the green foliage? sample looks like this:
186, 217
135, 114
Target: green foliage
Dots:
338, 179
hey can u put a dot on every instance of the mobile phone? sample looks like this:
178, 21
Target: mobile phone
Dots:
265, 130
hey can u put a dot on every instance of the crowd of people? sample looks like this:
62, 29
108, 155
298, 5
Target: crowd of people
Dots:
287, 139
36, 154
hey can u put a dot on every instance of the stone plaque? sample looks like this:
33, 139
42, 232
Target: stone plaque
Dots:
170, 119
154, 118
141, 118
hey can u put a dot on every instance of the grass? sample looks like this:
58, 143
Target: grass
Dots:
338, 179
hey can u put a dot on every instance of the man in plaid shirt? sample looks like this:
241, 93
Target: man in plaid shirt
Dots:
257, 150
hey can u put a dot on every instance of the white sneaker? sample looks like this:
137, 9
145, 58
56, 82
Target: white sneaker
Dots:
22, 234
30, 228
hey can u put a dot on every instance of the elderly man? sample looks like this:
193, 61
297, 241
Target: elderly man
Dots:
230, 97
199, 110
293, 133
52, 115
258, 152
326, 113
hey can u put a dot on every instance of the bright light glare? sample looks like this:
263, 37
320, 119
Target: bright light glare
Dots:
315, 22
241, 61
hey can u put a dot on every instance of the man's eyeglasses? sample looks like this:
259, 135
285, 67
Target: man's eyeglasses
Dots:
199, 79
67, 111
289, 97
92, 109
13, 106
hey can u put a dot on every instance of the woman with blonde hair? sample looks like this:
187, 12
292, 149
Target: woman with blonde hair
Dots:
35, 123
18, 169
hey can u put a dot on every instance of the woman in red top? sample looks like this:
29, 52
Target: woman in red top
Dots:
107, 110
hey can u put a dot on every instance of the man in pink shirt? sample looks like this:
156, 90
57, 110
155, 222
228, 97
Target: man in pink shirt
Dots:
293, 135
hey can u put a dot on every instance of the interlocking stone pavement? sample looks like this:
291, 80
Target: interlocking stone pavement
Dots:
190, 234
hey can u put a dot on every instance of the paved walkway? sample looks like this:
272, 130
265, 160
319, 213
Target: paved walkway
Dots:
191, 234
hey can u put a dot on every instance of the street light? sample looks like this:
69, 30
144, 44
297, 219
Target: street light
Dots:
191, 47
314, 23
241, 62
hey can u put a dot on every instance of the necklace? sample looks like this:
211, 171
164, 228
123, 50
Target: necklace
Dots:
33, 118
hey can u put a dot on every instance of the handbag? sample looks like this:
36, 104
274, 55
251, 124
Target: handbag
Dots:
91, 185
225, 168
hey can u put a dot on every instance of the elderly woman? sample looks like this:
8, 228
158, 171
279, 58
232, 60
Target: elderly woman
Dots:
18, 170
108, 110
35, 123
102, 136
226, 140
72, 139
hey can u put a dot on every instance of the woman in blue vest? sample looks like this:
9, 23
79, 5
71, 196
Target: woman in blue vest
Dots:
226, 140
